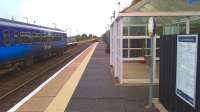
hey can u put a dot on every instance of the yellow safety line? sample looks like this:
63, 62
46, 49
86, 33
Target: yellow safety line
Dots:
61, 101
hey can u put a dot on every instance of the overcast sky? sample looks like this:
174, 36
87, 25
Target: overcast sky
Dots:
81, 16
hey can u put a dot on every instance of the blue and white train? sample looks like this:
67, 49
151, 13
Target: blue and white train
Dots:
21, 42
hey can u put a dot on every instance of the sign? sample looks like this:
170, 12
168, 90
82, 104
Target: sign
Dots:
186, 68
151, 26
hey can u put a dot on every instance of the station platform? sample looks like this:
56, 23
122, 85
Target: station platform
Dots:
86, 84
54, 94
97, 91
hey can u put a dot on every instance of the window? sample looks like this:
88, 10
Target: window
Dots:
148, 52
63, 36
43, 37
54, 37
136, 53
36, 37
148, 43
137, 31
17, 38
182, 29
25, 36
125, 53
157, 43
125, 31
57, 37
125, 43
137, 43
159, 30
49, 37
6, 37
195, 27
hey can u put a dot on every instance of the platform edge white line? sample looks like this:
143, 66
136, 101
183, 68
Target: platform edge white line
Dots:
25, 99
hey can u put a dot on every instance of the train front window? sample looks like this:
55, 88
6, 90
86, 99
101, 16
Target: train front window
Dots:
6, 37
25, 36
17, 37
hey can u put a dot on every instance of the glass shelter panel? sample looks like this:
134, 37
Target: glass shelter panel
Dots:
137, 31
125, 31
195, 26
135, 40
137, 43
125, 43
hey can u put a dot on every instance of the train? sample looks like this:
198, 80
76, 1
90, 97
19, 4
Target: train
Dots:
21, 43
71, 42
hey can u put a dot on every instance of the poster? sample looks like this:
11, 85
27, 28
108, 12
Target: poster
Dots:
186, 68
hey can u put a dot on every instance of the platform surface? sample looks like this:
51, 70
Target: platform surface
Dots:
96, 91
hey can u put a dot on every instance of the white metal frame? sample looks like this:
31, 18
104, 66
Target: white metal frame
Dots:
160, 14
117, 37
116, 49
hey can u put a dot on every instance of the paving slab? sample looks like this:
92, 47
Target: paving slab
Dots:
96, 91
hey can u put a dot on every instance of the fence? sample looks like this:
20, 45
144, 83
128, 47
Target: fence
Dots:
167, 91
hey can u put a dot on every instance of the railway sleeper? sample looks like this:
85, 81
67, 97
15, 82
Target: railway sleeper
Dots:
12, 66
28, 61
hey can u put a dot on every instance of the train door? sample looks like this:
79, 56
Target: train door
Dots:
17, 39
1, 39
6, 38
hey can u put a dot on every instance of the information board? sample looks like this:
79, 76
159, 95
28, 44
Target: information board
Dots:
186, 68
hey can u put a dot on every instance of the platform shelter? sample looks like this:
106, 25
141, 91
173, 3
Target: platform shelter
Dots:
130, 43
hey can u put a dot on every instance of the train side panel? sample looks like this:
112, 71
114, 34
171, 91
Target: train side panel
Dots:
21, 51
11, 51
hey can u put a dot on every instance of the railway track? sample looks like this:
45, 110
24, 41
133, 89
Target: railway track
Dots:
11, 83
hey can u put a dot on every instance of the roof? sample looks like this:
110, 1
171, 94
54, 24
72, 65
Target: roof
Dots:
140, 10
163, 5
132, 4
13, 23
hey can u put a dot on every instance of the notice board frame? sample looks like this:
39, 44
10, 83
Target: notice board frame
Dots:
184, 96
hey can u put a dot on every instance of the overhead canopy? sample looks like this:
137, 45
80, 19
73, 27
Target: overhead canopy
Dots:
175, 16
167, 11
163, 5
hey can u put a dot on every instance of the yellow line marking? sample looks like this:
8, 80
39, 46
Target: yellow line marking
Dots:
61, 101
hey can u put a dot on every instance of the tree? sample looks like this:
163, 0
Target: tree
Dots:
90, 36
84, 35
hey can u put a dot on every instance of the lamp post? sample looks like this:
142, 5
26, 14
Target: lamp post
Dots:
107, 27
114, 14
26, 19
111, 18
119, 6
34, 21
70, 31
54, 25
152, 71
13, 18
